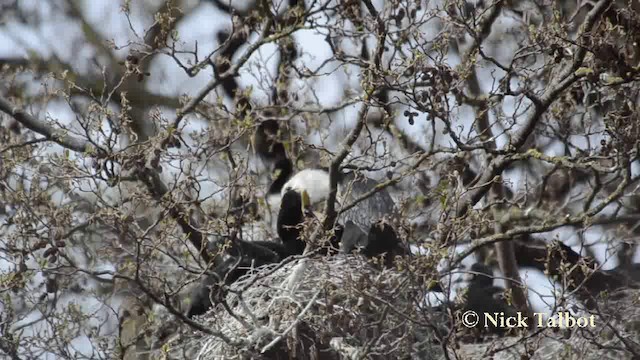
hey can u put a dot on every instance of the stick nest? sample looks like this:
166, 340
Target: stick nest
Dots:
322, 308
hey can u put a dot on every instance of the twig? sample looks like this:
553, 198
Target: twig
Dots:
59, 136
298, 319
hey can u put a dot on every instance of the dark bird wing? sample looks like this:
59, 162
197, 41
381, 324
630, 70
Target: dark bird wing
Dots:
352, 237
366, 223
367, 211
245, 255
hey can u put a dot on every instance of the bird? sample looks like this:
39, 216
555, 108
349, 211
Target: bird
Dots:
242, 257
371, 216
383, 240
295, 195
267, 144
585, 276
246, 255
200, 296
296, 208
479, 296
365, 226
285, 195
290, 220
482, 297
314, 180
264, 140
268, 148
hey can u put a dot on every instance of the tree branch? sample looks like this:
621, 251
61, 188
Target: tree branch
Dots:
58, 136
334, 168
567, 78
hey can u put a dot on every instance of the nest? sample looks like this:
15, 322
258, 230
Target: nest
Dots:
344, 308
323, 308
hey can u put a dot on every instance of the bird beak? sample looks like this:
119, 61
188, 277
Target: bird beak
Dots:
306, 201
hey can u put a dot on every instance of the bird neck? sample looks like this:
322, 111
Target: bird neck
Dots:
290, 218
286, 169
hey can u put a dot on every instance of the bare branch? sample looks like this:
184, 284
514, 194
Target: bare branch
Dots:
60, 137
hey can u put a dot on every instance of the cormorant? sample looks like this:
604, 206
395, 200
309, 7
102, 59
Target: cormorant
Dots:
366, 225
265, 140
290, 219
243, 256
482, 297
